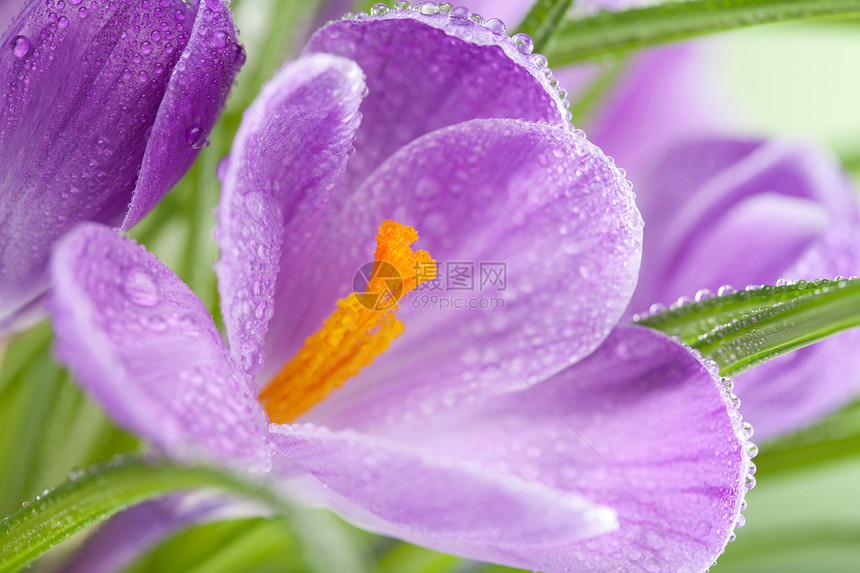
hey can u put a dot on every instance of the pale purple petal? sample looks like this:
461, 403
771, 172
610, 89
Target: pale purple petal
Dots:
750, 212
198, 88
428, 72
640, 426
665, 94
82, 86
144, 346
410, 491
288, 157
540, 200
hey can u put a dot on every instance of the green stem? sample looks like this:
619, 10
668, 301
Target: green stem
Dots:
102, 492
746, 328
609, 33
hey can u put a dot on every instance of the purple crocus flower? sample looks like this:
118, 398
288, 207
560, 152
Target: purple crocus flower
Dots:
539, 435
722, 211
105, 106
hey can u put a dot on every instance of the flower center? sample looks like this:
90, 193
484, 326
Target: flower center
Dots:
360, 329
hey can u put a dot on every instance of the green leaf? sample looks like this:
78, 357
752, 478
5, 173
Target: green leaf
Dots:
746, 328
543, 19
612, 33
106, 489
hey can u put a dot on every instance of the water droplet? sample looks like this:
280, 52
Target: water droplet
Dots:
20, 46
752, 449
239, 59
460, 15
496, 26
540, 61
140, 287
196, 138
703, 294
253, 357
428, 8
220, 39
379, 9
725, 290
524, 43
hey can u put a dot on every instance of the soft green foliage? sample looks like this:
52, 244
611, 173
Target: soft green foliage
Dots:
608, 33
91, 496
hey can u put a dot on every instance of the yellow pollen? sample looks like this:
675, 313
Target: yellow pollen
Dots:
360, 329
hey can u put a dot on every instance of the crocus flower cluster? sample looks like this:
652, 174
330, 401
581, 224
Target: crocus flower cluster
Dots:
105, 106
541, 434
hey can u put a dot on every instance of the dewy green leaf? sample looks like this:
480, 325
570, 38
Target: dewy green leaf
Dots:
746, 328
610, 33
542, 21
99, 493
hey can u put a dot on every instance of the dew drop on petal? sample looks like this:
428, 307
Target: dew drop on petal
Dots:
20, 46
253, 357
379, 9
524, 43
496, 26
428, 8
220, 39
196, 138
140, 287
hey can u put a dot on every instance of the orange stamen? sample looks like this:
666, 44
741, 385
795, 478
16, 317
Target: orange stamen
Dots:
361, 328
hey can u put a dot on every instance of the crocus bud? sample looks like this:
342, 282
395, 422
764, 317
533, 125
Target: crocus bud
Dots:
105, 106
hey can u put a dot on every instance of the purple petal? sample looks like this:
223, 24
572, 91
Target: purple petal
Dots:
667, 94
752, 212
83, 85
198, 88
9, 9
288, 156
428, 72
640, 426
540, 200
395, 488
144, 346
